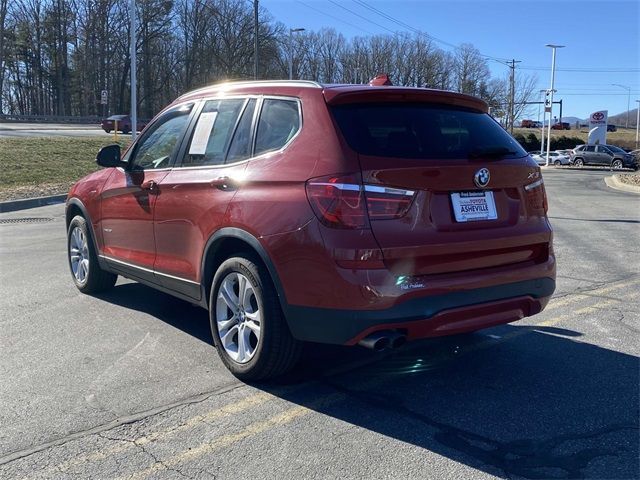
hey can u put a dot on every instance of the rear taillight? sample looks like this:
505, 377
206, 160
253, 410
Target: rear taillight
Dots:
385, 203
338, 201
343, 202
536, 196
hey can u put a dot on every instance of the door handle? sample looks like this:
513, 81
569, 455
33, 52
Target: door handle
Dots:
150, 185
223, 183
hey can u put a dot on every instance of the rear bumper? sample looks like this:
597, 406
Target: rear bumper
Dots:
433, 315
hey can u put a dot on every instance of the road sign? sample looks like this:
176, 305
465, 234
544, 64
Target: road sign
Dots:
103, 97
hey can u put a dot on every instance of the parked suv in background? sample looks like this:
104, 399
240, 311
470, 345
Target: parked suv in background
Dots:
608, 155
297, 212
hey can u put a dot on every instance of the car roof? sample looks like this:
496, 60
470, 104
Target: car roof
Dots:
117, 117
339, 93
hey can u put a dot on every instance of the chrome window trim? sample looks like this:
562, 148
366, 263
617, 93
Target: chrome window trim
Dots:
132, 149
286, 145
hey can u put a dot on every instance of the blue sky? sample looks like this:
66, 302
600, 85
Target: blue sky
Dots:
600, 36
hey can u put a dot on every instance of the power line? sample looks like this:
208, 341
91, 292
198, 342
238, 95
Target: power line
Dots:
361, 16
334, 17
419, 32
586, 69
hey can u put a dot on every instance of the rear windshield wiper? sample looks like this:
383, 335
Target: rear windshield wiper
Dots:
491, 152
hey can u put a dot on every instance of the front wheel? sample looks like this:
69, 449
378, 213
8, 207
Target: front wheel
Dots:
557, 163
578, 162
616, 164
247, 323
83, 260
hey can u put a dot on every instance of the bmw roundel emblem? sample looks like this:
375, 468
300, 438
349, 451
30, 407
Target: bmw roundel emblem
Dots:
482, 177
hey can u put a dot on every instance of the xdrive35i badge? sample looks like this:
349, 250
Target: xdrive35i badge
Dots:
482, 177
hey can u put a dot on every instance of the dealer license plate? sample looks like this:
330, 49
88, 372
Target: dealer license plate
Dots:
472, 206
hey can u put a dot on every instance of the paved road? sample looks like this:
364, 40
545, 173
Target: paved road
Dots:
12, 129
127, 385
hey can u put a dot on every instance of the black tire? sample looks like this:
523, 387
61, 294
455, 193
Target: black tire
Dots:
617, 164
96, 279
277, 351
557, 163
578, 162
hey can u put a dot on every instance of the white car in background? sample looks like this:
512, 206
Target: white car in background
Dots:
555, 158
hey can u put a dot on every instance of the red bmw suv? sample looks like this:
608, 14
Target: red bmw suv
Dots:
298, 212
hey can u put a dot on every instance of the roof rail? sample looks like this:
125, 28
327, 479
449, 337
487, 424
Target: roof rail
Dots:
239, 83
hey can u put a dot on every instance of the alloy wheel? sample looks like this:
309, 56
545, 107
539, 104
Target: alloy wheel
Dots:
79, 254
238, 317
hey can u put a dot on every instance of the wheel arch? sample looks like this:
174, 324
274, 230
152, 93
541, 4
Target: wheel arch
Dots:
76, 207
226, 242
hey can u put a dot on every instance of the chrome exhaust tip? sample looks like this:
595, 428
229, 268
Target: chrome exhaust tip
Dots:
377, 341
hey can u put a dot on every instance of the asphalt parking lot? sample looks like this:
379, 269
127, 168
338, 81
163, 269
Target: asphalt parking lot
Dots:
127, 384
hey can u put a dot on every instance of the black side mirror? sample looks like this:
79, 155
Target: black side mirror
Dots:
109, 156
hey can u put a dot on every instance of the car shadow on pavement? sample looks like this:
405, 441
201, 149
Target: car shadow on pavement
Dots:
182, 315
512, 401
537, 405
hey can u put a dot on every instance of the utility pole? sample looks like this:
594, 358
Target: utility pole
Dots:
255, 40
134, 101
512, 93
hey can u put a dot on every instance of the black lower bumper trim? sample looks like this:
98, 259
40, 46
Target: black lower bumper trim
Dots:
339, 326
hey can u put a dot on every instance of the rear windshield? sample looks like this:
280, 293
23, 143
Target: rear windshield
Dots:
417, 130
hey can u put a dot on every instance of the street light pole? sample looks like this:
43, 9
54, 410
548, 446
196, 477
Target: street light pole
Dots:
553, 76
132, 46
637, 122
255, 39
544, 117
291, 31
628, 89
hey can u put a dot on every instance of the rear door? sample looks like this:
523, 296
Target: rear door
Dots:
194, 196
590, 155
604, 155
445, 187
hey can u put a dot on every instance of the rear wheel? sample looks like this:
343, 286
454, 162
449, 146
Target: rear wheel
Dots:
578, 162
247, 323
616, 164
83, 260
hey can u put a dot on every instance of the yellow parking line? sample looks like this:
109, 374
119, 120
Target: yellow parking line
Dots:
217, 414
588, 294
277, 420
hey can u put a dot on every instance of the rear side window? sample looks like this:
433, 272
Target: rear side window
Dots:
279, 122
212, 134
416, 130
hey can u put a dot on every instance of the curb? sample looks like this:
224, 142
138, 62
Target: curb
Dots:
613, 182
22, 204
